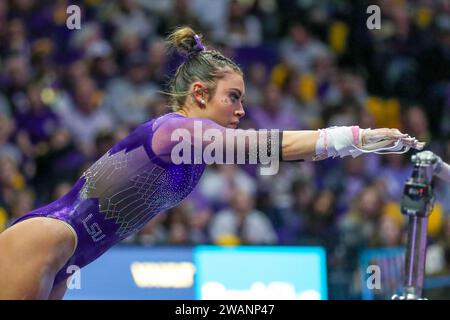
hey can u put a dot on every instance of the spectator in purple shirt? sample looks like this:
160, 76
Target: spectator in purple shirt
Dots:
38, 122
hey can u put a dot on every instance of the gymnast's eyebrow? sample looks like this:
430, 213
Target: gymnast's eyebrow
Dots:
239, 91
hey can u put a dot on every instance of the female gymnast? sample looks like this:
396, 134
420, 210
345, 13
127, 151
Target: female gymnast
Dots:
136, 179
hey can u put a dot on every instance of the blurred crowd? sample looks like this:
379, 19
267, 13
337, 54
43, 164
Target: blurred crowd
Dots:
66, 96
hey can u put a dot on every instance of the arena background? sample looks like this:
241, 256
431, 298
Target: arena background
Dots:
313, 230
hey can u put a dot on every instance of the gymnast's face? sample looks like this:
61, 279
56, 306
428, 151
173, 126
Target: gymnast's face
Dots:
225, 105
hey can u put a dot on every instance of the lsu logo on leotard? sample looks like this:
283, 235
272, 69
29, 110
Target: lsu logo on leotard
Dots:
94, 229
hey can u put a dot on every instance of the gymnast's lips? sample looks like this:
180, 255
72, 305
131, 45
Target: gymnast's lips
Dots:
234, 125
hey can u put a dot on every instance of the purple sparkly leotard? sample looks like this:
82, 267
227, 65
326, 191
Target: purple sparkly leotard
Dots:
124, 189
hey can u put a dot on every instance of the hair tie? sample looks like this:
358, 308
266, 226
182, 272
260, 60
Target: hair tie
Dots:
199, 44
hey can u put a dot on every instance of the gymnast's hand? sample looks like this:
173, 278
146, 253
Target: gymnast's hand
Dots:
372, 139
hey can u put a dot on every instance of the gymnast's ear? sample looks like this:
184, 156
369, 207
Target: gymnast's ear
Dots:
200, 94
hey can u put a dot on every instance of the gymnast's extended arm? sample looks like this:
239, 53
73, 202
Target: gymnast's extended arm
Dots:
289, 145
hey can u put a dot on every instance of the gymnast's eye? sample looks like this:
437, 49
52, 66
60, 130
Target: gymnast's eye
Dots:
234, 97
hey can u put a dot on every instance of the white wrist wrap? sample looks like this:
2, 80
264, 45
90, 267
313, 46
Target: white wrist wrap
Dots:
338, 141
